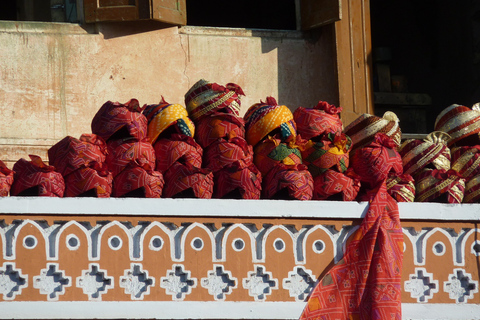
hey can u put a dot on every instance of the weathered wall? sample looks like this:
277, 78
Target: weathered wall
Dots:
54, 77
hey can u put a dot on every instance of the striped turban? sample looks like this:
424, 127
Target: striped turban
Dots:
461, 123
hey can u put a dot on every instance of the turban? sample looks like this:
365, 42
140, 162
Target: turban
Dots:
374, 162
461, 123
362, 131
184, 181
177, 148
401, 187
137, 182
6, 179
116, 121
271, 152
466, 161
334, 185
264, 117
288, 183
70, 154
218, 125
123, 152
439, 185
472, 190
88, 182
332, 151
431, 153
165, 115
237, 181
35, 178
223, 152
205, 97
314, 122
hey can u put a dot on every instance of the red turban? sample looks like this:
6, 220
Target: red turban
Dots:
70, 154
91, 182
185, 180
6, 179
223, 152
218, 125
177, 148
137, 182
271, 152
288, 182
35, 178
123, 152
321, 119
333, 185
115, 120
237, 181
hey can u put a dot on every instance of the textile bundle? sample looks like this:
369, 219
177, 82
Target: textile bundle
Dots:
6, 179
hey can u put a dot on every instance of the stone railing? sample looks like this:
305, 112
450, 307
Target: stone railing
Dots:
216, 259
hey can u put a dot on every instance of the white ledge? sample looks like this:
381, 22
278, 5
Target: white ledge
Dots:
205, 310
229, 208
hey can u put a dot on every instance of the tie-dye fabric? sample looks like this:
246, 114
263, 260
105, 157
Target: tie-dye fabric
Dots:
137, 182
89, 182
124, 152
288, 183
184, 180
177, 148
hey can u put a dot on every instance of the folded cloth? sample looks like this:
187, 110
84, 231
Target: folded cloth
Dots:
165, 115
218, 125
264, 117
288, 183
237, 181
123, 152
224, 152
206, 97
35, 178
137, 182
6, 179
321, 119
187, 181
472, 190
89, 182
375, 161
367, 282
334, 185
115, 120
466, 161
432, 152
331, 152
401, 187
272, 151
461, 123
70, 154
362, 130
439, 185
177, 148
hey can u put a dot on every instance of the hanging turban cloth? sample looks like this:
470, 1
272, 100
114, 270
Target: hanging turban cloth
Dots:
401, 187
362, 131
288, 183
137, 182
319, 120
186, 181
374, 162
6, 179
70, 154
165, 115
237, 181
93, 181
431, 153
218, 125
205, 97
223, 152
263, 118
331, 152
35, 178
334, 185
117, 121
272, 151
461, 123
124, 152
472, 190
439, 185
177, 148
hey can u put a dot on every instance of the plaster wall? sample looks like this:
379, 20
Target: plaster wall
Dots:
54, 77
